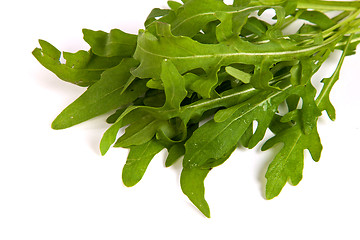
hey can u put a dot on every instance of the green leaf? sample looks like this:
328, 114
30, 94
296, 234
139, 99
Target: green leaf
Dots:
148, 120
318, 18
154, 14
186, 113
113, 117
175, 152
256, 26
128, 116
114, 44
138, 160
302, 72
140, 131
310, 111
288, 164
323, 100
215, 139
241, 3
262, 74
174, 85
81, 68
192, 185
187, 54
102, 97
195, 14
204, 61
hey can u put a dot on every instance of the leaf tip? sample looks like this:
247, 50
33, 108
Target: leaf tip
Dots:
269, 196
56, 125
129, 180
104, 147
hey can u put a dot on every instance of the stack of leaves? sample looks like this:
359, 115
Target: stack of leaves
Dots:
204, 77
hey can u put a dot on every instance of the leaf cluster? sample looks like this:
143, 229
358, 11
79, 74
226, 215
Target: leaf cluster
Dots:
203, 78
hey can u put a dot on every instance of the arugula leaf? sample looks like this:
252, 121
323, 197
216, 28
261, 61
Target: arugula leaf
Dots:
81, 68
175, 152
323, 100
102, 97
318, 18
182, 51
217, 137
192, 185
199, 76
289, 162
114, 44
195, 14
138, 160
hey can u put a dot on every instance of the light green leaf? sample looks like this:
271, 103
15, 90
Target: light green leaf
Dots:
114, 44
128, 116
186, 113
238, 74
102, 97
154, 14
81, 68
138, 160
215, 139
318, 18
174, 85
310, 111
187, 54
288, 164
175, 152
195, 14
140, 131
241, 3
174, 5
192, 185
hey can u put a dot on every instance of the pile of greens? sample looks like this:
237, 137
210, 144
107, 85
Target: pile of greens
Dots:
204, 77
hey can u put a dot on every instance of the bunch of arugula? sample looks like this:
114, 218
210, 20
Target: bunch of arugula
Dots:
224, 66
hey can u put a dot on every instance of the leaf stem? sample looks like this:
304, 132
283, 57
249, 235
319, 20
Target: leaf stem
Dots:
347, 20
334, 77
329, 5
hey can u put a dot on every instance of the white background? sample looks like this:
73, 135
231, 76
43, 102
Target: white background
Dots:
56, 185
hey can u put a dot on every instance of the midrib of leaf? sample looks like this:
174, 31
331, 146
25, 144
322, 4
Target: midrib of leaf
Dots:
132, 160
99, 99
327, 42
237, 118
212, 103
285, 160
151, 125
106, 95
206, 105
299, 134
